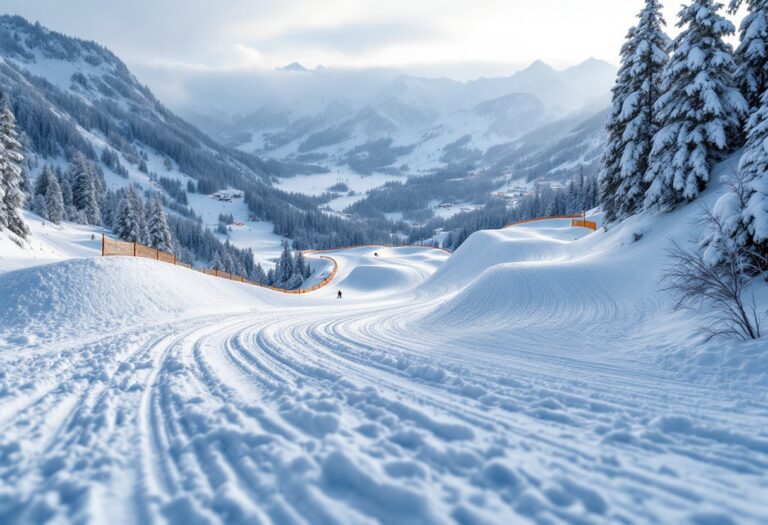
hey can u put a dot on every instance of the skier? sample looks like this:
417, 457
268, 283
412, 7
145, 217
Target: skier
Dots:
338, 295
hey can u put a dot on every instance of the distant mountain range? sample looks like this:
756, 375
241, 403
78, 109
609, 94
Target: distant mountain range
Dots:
404, 124
71, 95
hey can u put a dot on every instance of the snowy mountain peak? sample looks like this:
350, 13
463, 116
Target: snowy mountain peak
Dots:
539, 66
594, 66
294, 67
80, 67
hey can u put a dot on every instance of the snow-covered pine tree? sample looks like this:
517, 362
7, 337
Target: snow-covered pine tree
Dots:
610, 164
285, 264
141, 214
41, 184
700, 110
743, 211
300, 266
638, 117
11, 194
752, 53
85, 196
217, 262
228, 262
66, 186
109, 204
39, 206
26, 185
48, 199
127, 222
294, 282
249, 263
258, 274
159, 233
54, 200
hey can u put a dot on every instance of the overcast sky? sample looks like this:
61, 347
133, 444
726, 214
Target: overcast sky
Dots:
473, 35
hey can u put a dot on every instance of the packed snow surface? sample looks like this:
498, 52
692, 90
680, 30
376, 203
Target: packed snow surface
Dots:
537, 375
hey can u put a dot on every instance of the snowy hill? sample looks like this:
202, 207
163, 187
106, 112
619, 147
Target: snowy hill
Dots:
537, 375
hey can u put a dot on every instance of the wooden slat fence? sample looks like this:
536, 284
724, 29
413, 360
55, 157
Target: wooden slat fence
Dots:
111, 247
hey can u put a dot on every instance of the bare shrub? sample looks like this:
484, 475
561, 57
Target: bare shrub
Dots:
721, 286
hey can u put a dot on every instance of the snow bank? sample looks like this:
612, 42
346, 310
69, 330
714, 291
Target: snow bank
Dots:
380, 278
377, 271
89, 295
545, 296
532, 243
48, 243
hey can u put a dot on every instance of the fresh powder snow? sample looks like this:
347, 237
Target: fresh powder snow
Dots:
537, 375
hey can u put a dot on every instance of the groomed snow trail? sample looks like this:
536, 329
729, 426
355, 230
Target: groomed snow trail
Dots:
518, 382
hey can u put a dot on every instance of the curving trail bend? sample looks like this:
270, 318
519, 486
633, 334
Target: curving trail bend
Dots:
518, 393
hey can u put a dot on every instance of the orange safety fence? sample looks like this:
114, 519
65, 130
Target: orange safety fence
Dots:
578, 223
111, 247
579, 216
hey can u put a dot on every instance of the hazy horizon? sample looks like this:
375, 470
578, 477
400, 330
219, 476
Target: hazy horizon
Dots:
462, 40
185, 50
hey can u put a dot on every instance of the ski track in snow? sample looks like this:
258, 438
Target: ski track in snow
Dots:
414, 407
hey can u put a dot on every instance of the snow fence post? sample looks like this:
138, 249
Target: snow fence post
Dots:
134, 248
103, 245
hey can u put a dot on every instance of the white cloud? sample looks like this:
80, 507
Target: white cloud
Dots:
247, 34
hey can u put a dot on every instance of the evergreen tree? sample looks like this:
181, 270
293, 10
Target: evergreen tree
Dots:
752, 54
285, 265
54, 201
743, 211
258, 274
301, 267
39, 206
109, 208
127, 220
294, 282
700, 110
141, 215
610, 166
159, 232
26, 185
66, 187
11, 194
217, 263
633, 121
48, 200
85, 188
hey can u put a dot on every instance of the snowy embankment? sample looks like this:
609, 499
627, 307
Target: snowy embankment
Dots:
535, 376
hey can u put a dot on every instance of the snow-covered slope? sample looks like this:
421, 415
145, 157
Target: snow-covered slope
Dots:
537, 375
73, 95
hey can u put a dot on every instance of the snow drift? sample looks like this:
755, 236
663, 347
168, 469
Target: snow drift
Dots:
534, 243
90, 295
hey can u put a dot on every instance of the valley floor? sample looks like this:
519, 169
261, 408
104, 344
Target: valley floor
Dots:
529, 378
